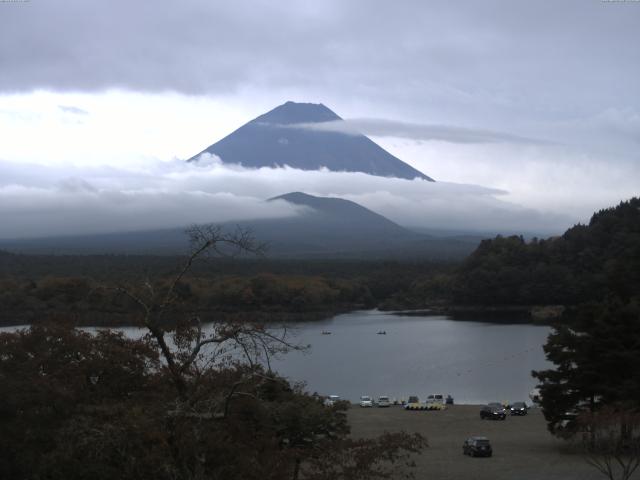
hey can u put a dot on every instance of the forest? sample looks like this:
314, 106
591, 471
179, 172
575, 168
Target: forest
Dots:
33, 288
587, 262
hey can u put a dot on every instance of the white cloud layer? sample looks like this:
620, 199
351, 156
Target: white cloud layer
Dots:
38, 200
56, 159
389, 128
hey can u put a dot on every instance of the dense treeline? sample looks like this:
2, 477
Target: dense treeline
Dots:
117, 267
588, 262
91, 302
34, 288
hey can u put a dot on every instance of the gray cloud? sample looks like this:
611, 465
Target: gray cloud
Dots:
75, 185
519, 67
507, 54
414, 131
56, 201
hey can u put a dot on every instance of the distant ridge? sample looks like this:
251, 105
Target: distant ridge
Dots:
325, 228
266, 141
339, 218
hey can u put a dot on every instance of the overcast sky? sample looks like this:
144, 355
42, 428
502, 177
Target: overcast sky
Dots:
526, 112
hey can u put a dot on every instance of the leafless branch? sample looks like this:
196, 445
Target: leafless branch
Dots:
182, 359
612, 441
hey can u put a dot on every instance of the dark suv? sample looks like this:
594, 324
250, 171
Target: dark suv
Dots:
492, 413
519, 408
497, 405
477, 447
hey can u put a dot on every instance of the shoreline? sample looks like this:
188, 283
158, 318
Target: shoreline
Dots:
508, 314
529, 314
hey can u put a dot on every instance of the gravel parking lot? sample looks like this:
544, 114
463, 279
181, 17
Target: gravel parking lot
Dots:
522, 447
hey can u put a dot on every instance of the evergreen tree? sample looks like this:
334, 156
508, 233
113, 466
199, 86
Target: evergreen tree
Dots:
596, 352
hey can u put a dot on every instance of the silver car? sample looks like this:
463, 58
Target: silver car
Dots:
366, 401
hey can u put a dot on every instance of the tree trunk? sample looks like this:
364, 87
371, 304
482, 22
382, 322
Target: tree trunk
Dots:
296, 469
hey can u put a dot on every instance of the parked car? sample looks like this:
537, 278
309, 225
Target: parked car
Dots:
413, 403
492, 413
331, 400
477, 447
383, 401
366, 401
498, 405
519, 408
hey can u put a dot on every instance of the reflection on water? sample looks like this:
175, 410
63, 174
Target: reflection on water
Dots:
475, 362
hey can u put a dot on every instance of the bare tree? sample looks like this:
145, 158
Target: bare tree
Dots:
611, 441
185, 356
210, 408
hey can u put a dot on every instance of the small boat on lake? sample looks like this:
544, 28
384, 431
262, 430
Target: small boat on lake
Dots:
326, 332
382, 332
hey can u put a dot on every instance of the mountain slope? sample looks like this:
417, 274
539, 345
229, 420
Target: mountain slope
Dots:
272, 139
344, 214
331, 225
325, 228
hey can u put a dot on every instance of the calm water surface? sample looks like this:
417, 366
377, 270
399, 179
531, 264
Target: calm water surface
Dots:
475, 362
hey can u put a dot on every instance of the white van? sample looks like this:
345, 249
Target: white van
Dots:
436, 398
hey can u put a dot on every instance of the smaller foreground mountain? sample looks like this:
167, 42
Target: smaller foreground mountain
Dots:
324, 228
334, 225
340, 214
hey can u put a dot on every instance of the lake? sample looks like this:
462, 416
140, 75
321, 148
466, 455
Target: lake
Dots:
474, 361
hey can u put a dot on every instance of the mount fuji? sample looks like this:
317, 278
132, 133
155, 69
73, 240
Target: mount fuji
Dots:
282, 137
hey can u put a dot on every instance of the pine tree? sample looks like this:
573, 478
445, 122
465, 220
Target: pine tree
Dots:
596, 353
